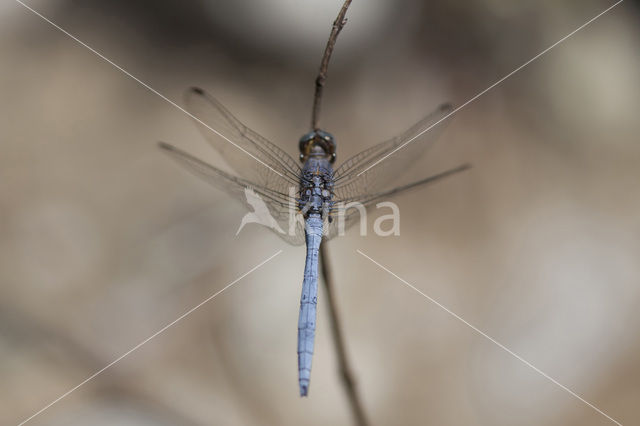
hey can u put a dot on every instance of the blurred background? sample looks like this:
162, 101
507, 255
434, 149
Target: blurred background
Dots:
104, 240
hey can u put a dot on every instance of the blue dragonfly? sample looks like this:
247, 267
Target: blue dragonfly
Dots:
310, 191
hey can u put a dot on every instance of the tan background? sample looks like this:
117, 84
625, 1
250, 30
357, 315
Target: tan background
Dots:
104, 240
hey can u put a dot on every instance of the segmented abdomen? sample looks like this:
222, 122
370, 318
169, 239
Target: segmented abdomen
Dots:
308, 302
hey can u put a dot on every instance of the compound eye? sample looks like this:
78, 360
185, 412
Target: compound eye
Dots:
304, 141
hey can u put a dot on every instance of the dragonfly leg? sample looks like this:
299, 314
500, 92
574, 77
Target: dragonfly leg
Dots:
325, 210
306, 208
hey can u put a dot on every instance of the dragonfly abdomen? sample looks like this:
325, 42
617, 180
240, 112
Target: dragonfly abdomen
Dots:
308, 302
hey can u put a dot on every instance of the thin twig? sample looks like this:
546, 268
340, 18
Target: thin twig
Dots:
338, 339
338, 24
348, 380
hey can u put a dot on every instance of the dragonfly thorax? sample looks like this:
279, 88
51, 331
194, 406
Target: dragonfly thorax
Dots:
317, 143
316, 186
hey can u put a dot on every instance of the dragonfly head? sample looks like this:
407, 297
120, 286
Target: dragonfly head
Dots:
317, 143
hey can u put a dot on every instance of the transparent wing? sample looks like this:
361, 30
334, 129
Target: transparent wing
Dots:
373, 169
281, 206
252, 156
344, 218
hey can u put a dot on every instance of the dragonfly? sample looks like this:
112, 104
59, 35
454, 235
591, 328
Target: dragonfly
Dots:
312, 188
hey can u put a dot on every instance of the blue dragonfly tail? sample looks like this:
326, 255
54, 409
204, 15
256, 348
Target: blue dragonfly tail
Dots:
308, 302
